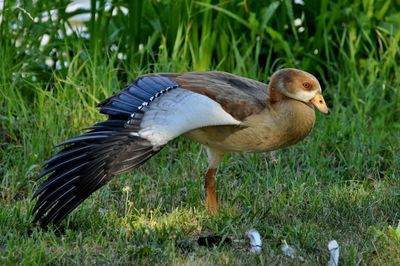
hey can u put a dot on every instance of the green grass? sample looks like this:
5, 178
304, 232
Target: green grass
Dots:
341, 183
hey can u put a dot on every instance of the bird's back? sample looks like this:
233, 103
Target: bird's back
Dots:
239, 96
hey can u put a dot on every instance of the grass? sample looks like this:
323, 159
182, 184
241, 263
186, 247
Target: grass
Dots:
341, 183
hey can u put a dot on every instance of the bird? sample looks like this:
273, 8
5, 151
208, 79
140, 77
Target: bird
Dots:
224, 112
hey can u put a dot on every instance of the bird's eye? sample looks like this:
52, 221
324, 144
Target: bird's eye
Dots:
307, 85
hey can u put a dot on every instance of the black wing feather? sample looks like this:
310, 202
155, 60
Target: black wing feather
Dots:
143, 90
138, 92
87, 162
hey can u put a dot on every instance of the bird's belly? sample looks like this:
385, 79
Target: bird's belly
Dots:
239, 139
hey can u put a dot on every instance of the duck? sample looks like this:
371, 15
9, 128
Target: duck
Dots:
224, 112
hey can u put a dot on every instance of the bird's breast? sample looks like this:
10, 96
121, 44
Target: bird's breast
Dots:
271, 129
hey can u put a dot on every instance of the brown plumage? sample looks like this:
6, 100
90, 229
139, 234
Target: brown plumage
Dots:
224, 112
240, 97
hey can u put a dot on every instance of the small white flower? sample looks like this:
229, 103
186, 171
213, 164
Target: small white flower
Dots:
121, 56
124, 10
113, 47
58, 65
18, 43
127, 189
141, 47
45, 40
297, 22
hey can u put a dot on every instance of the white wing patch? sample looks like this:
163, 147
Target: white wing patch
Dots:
178, 112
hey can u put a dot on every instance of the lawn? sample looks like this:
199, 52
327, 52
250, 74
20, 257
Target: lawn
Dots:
341, 182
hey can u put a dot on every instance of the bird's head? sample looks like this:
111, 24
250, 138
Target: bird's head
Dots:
299, 85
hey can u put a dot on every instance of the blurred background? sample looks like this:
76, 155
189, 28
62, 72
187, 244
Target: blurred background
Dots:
40, 39
59, 58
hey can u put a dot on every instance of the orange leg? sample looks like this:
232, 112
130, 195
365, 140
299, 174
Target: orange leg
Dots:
210, 187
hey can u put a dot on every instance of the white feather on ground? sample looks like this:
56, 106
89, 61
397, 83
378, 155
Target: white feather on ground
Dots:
255, 241
333, 248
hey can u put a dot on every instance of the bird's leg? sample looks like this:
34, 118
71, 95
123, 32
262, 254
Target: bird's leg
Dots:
210, 183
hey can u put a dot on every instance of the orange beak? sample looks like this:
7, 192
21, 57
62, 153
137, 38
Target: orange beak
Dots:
319, 102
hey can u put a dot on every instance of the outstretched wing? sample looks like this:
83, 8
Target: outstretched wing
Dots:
142, 118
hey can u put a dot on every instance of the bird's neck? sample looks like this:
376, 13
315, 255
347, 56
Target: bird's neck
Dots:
296, 119
274, 96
